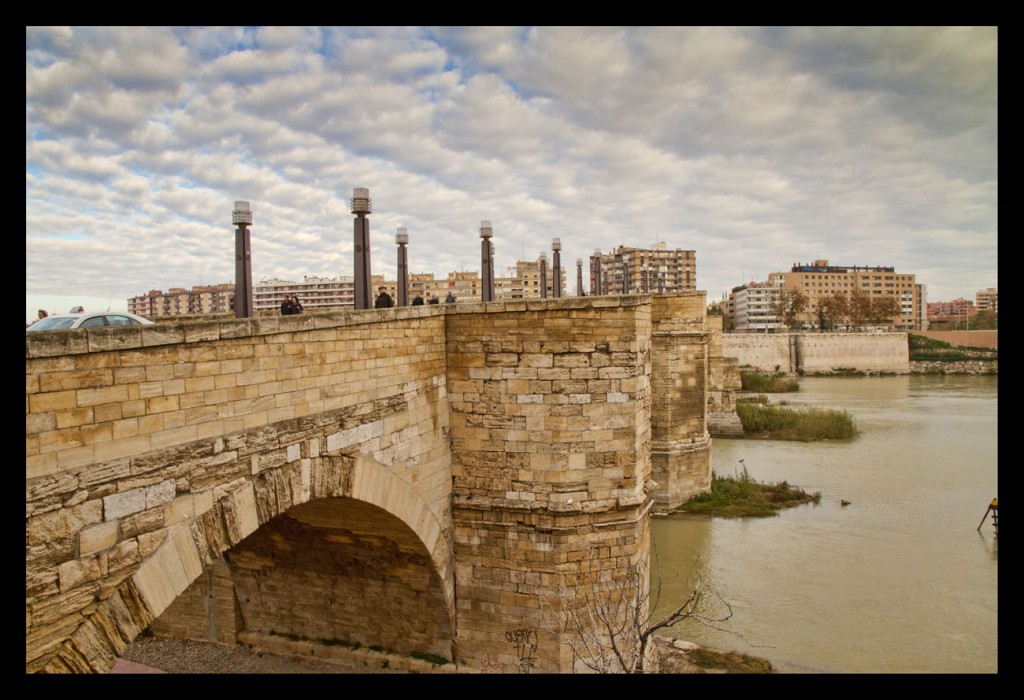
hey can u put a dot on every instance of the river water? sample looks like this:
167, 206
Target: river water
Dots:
900, 580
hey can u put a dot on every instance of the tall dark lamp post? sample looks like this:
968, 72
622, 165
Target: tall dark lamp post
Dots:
402, 239
556, 268
490, 272
486, 262
579, 277
595, 271
242, 217
543, 275
361, 206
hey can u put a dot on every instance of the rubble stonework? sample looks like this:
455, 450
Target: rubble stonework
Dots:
419, 478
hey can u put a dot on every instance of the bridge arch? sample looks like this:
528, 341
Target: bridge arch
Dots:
350, 503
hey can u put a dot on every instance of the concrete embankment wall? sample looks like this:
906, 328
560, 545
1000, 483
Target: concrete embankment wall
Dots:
820, 353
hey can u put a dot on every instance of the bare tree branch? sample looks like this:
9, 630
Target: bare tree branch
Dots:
605, 620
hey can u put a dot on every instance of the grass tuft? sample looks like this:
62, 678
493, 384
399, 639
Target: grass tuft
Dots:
775, 383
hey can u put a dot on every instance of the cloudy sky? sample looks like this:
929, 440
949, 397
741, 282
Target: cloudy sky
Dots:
755, 147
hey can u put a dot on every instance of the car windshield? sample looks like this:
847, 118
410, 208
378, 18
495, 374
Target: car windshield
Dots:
52, 323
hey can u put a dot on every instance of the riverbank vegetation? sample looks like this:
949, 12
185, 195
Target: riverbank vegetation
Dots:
781, 423
923, 349
742, 496
762, 419
775, 383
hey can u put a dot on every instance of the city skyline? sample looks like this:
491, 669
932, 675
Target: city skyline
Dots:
755, 147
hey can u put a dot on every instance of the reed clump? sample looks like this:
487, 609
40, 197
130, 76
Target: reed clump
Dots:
742, 496
806, 425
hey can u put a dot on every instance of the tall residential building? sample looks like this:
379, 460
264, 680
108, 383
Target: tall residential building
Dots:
987, 300
819, 279
750, 308
177, 301
643, 270
313, 292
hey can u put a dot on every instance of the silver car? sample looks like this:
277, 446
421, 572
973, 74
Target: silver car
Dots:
99, 319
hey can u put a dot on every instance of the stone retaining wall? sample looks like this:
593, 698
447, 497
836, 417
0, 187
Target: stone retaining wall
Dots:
820, 353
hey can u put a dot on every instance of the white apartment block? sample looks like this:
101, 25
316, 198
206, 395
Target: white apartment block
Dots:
313, 292
751, 308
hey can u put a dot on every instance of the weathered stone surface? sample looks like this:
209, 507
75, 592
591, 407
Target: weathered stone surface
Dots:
414, 414
97, 537
62, 523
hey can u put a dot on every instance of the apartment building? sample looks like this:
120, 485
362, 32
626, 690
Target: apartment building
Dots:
987, 300
956, 310
819, 279
750, 308
464, 286
522, 281
178, 301
651, 270
313, 292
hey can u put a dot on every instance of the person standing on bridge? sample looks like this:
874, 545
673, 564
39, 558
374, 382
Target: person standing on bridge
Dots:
384, 300
417, 300
296, 305
287, 309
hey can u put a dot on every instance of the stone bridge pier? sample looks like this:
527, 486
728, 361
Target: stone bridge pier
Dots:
452, 482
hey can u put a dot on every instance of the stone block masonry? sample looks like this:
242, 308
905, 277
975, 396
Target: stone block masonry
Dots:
551, 426
431, 480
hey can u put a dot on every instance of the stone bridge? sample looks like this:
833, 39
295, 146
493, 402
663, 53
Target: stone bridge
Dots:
433, 481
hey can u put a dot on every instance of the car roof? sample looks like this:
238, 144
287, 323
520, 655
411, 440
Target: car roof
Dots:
92, 314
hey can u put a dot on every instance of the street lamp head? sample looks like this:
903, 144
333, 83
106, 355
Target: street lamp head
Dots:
597, 252
556, 244
401, 238
361, 202
543, 257
485, 229
579, 262
241, 216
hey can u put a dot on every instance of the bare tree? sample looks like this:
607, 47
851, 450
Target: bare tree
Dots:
609, 628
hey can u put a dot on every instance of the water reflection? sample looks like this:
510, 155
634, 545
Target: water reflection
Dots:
901, 579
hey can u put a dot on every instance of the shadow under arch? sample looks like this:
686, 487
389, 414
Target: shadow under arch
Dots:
239, 510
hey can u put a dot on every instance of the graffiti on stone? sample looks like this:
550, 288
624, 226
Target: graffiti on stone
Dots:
490, 662
525, 642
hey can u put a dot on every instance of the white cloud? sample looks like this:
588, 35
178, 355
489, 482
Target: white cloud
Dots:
756, 147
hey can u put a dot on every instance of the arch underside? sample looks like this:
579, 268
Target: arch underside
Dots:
338, 551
